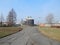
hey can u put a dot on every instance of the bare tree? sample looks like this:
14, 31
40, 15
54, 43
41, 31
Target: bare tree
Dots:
11, 18
49, 19
1, 20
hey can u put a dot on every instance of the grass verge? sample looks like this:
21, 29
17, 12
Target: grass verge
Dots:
53, 33
5, 31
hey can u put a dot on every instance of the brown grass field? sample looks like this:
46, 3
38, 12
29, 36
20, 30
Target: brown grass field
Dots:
53, 33
5, 31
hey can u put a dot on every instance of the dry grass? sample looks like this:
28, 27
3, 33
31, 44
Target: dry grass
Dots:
5, 31
53, 33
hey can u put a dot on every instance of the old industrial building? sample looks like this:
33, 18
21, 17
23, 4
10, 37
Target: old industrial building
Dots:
29, 21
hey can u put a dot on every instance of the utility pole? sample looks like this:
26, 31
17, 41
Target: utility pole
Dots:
38, 20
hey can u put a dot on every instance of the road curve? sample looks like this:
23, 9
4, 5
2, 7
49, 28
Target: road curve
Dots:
28, 36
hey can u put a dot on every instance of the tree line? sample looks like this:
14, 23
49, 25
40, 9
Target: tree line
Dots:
10, 20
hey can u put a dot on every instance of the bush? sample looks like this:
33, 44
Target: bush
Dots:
55, 26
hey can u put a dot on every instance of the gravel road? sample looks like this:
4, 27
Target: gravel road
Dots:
28, 36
